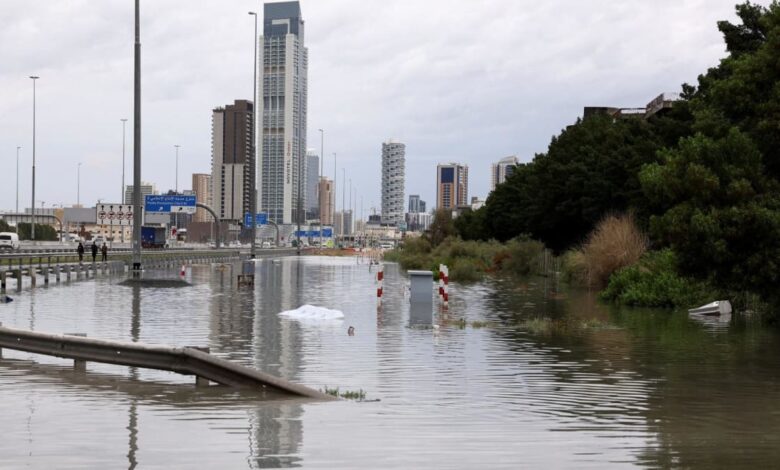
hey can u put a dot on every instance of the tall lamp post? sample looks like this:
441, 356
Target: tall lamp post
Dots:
335, 172
122, 193
137, 221
319, 183
32, 226
253, 162
78, 184
177, 168
17, 178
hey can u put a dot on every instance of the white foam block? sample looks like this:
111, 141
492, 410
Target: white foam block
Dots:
312, 312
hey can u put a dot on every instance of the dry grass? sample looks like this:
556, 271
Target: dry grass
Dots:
616, 242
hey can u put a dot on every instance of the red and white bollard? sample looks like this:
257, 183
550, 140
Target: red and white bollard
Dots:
446, 286
183, 271
380, 276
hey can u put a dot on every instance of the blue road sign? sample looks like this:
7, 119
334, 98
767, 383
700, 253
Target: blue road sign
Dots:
173, 203
260, 219
327, 233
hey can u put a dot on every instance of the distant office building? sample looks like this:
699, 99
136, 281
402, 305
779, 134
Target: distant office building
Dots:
659, 104
418, 221
500, 171
477, 203
422, 206
282, 88
326, 201
231, 159
345, 218
414, 203
393, 176
312, 179
201, 185
146, 190
452, 185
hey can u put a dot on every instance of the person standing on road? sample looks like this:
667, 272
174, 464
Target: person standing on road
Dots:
80, 251
94, 252
104, 252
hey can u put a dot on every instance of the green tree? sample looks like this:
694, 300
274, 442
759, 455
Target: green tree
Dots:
590, 170
42, 232
470, 225
723, 217
4, 227
441, 227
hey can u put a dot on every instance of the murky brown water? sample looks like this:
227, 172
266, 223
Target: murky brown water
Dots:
601, 387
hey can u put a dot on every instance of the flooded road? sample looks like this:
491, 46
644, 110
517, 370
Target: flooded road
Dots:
518, 375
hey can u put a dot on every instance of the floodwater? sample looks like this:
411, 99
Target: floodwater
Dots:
595, 387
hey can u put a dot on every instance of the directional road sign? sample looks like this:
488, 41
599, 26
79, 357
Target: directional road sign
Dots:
173, 203
107, 213
260, 219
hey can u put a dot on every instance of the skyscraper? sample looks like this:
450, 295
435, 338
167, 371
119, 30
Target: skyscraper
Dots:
414, 203
201, 184
282, 87
231, 157
146, 190
500, 171
326, 201
393, 177
312, 178
452, 185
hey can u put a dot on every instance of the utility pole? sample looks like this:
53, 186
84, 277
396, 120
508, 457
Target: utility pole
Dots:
32, 226
253, 163
137, 221
335, 172
122, 194
17, 178
319, 183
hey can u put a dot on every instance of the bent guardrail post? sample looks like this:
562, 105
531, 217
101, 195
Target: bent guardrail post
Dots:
183, 360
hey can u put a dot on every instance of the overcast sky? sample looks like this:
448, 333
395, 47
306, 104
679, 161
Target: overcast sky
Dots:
455, 80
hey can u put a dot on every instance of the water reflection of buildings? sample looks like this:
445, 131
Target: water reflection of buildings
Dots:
244, 323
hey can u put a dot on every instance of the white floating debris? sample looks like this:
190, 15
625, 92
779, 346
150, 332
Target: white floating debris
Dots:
719, 307
312, 312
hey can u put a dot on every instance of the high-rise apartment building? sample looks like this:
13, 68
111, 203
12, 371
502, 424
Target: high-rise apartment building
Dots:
282, 88
452, 185
231, 159
201, 185
415, 204
312, 180
500, 171
146, 190
326, 201
393, 177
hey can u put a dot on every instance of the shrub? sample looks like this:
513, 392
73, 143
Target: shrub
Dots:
522, 256
654, 282
616, 242
575, 267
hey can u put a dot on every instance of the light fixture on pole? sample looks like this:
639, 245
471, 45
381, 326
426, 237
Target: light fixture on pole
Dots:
253, 161
32, 226
177, 168
78, 185
320, 182
17, 178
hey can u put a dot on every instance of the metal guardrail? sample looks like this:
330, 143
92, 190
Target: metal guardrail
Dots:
185, 360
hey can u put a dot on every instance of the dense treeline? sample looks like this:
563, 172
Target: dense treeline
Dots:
702, 180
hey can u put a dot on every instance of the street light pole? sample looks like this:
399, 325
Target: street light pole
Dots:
335, 172
78, 184
253, 162
177, 168
17, 178
122, 194
137, 221
32, 226
343, 200
319, 183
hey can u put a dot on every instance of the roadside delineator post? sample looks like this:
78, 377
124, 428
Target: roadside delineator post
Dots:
183, 271
446, 290
380, 276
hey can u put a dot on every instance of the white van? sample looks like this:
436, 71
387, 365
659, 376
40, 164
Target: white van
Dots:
9, 241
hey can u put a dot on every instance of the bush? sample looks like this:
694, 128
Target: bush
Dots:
466, 270
574, 267
521, 256
616, 242
654, 282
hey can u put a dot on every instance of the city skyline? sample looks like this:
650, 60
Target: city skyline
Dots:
187, 73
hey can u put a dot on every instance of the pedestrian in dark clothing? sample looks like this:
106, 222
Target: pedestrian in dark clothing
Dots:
80, 251
104, 252
94, 252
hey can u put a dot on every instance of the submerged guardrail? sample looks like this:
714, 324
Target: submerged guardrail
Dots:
182, 360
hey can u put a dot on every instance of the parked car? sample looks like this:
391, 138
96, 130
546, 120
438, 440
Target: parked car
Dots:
9, 241
265, 245
97, 240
